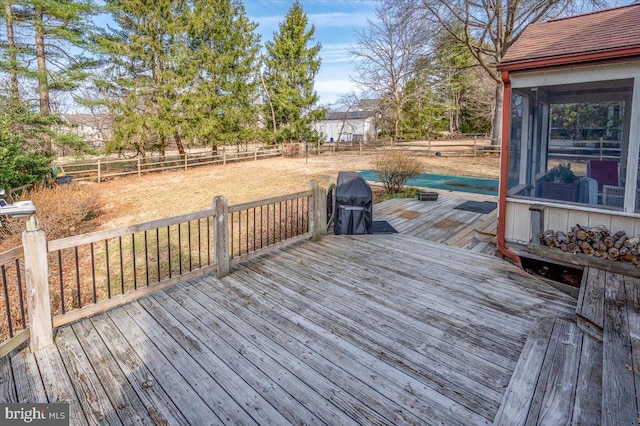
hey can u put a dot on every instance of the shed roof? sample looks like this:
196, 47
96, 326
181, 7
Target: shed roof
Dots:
596, 36
348, 115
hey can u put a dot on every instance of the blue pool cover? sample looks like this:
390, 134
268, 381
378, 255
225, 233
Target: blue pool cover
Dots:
451, 183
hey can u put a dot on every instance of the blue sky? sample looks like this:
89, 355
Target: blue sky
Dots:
335, 22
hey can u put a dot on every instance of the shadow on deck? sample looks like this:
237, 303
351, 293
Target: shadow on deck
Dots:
382, 329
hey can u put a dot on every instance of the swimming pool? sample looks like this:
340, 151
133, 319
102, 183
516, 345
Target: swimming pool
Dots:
451, 183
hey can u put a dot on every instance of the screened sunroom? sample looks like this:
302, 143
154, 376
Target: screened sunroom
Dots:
571, 125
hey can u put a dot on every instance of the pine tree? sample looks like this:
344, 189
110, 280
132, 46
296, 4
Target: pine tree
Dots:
47, 42
290, 69
222, 63
139, 85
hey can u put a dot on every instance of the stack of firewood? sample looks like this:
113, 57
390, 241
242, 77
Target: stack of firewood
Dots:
597, 241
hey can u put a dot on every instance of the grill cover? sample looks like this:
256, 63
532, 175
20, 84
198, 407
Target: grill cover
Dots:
354, 203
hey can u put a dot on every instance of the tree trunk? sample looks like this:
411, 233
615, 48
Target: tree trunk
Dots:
496, 133
273, 112
13, 55
43, 86
179, 143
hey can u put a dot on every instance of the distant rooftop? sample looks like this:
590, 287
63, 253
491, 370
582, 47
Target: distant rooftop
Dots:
597, 36
348, 115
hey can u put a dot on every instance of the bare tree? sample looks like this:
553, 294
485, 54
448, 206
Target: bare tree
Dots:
490, 27
386, 53
345, 104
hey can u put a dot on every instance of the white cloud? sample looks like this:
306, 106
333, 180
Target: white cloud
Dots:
330, 90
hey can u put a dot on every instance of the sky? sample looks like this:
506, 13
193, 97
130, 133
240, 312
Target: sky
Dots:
335, 23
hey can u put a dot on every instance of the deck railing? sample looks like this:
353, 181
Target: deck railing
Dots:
265, 223
13, 321
91, 273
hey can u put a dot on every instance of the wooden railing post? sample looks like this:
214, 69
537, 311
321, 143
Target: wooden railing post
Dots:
318, 213
36, 269
221, 235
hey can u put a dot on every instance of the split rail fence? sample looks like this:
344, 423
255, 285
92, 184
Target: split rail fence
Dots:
46, 285
105, 169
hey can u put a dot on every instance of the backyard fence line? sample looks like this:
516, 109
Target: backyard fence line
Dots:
427, 148
80, 276
104, 169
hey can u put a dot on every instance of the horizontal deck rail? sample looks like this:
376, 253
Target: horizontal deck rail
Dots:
91, 273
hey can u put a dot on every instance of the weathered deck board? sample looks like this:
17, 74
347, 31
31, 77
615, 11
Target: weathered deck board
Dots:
632, 288
352, 330
285, 390
438, 221
339, 360
553, 400
160, 407
7, 385
557, 379
590, 307
122, 395
88, 386
245, 396
588, 403
619, 403
518, 398
444, 379
57, 383
29, 387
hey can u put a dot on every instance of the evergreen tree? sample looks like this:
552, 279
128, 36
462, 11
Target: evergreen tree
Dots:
423, 114
139, 85
290, 69
221, 71
22, 159
183, 72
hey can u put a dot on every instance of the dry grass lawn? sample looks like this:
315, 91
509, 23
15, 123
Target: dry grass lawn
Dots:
130, 200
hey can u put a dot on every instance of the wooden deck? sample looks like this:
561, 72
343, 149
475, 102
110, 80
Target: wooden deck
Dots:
584, 373
377, 329
440, 221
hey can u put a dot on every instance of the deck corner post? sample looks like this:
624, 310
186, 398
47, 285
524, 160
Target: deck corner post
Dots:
221, 235
318, 213
34, 243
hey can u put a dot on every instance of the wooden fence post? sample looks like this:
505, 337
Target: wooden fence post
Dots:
34, 243
475, 146
429, 150
139, 169
318, 213
221, 235
186, 162
224, 156
99, 171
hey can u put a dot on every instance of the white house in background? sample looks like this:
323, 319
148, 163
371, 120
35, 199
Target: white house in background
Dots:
358, 125
96, 129
350, 126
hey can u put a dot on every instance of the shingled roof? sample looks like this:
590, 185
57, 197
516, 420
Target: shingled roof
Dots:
597, 36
